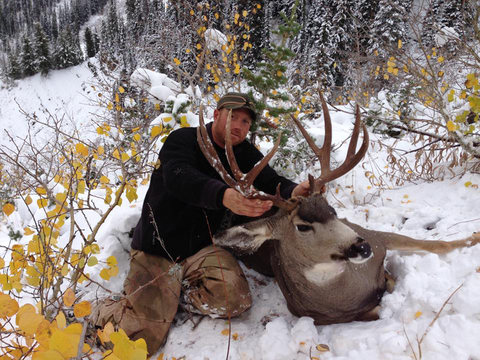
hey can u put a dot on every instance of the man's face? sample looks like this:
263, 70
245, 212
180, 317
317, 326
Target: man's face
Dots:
240, 125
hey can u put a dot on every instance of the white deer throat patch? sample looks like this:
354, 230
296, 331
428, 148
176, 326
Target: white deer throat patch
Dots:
322, 273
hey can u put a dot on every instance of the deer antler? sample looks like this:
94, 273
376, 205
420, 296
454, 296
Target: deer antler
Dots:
323, 154
243, 183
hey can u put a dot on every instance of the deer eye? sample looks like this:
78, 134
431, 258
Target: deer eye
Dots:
304, 228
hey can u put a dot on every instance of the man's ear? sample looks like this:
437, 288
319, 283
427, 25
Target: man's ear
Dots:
216, 114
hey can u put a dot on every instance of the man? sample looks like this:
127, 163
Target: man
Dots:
186, 204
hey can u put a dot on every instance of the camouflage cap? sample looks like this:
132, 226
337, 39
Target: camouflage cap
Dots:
235, 100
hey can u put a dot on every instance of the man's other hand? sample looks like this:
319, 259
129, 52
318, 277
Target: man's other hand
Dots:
240, 205
301, 189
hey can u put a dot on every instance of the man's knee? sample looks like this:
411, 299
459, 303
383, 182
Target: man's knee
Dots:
215, 284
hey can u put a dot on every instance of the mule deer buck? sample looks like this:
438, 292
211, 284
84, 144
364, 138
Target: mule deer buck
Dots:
327, 268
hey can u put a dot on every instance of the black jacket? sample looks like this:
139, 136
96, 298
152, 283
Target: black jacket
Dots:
186, 193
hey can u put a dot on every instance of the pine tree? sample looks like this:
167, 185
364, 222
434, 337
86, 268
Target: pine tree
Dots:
28, 58
364, 15
89, 43
42, 51
67, 51
14, 67
386, 34
317, 58
54, 24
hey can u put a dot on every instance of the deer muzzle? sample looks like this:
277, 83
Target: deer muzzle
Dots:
359, 252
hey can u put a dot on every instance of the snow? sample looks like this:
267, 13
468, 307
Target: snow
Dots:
445, 210
215, 39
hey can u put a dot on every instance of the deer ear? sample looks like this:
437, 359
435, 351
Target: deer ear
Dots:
245, 239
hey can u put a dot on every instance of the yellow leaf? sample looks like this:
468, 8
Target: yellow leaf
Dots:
61, 197
104, 274
451, 125
2, 263
48, 355
8, 306
104, 180
116, 154
137, 137
61, 320
29, 322
8, 209
104, 334
100, 150
322, 347
113, 271
418, 314
92, 261
156, 130
112, 261
177, 62
28, 200
82, 309
81, 186
69, 297
65, 343
468, 184
42, 203
125, 157
41, 191
399, 43
225, 332
81, 149
121, 89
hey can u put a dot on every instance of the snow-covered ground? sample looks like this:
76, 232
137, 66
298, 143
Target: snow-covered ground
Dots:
445, 210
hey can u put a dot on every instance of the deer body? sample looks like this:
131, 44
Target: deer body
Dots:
327, 268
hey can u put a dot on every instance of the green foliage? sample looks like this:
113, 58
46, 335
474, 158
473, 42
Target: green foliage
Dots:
270, 76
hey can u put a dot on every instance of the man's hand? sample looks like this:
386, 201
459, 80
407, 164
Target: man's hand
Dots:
240, 205
301, 189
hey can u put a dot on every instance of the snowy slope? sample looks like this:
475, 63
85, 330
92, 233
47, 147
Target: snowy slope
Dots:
442, 210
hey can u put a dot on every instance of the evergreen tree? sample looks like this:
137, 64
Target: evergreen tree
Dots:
54, 24
67, 51
364, 15
28, 58
341, 39
14, 67
432, 23
389, 25
316, 60
258, 33
90, 43
42, 51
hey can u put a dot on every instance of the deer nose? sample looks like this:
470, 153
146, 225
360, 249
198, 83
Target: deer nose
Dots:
359, 252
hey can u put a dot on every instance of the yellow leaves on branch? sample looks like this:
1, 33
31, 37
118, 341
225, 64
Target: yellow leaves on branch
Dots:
112, 270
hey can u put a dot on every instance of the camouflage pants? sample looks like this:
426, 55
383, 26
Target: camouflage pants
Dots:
210, 282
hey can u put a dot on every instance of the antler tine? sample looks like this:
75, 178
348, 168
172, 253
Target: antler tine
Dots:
352, 158
323, 153
209, 151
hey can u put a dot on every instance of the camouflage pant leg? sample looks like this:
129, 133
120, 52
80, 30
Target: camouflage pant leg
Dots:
213, 289
152, 289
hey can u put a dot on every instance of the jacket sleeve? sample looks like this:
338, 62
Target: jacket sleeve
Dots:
186, 172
